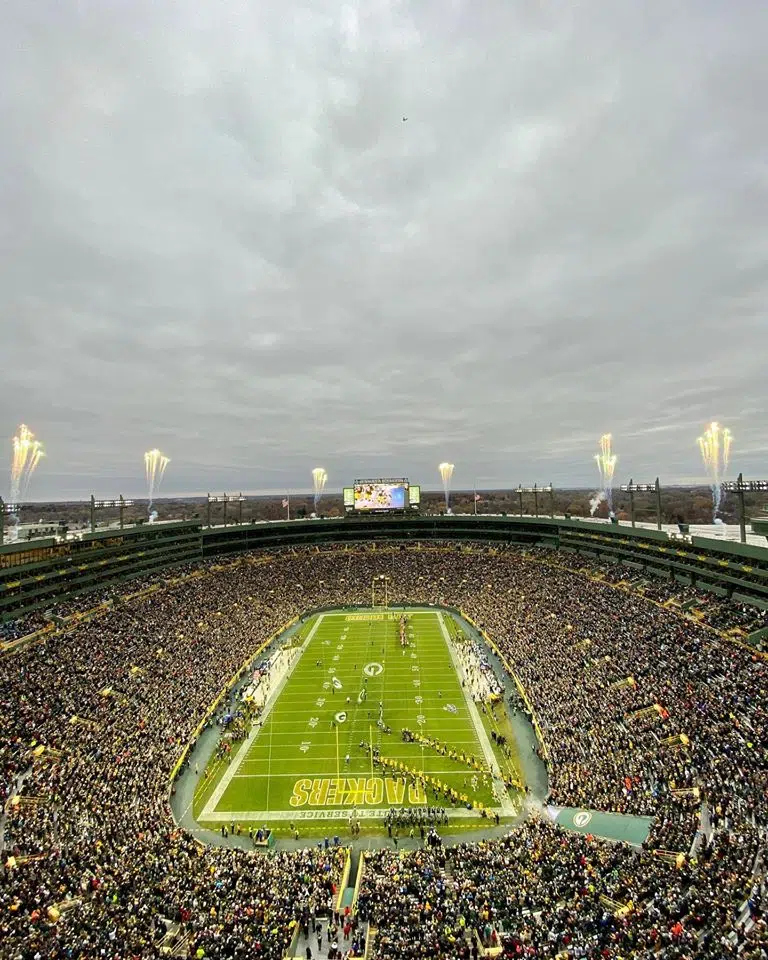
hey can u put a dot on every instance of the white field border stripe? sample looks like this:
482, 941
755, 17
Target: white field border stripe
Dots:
213, 801
336, 813
349, 775
506, 804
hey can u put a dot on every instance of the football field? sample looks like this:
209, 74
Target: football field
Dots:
349, 682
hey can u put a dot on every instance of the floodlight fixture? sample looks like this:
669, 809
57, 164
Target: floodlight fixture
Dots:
632, 488
536, 490
120, 504
226, 498
741, 486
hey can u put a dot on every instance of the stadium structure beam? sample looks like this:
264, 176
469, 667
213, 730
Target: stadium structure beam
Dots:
742, 486
121, 503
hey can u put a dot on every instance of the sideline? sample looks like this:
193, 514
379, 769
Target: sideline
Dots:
507, 808
513, 674
233, 681
209, 810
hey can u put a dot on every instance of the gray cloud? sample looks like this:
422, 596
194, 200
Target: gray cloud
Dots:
218, 236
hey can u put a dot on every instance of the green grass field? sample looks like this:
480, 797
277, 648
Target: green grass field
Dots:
305, 762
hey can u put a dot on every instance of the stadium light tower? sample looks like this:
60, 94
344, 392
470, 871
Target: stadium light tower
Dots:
120, 503
224, 498
536, 490
632, 488
742, 486
6, 510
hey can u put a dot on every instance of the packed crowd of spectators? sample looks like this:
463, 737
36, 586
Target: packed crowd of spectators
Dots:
717, 612
726, 615
80, 603
642, 712
15, 629
111, 857
596, 668
540, 892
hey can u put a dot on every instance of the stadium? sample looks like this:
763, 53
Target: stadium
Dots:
390, 735
384, 537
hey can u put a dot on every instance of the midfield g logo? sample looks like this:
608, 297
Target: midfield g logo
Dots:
373, 669
582, 818
341, 717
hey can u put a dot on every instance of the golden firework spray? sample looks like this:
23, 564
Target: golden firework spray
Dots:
715, 448
606, 464
26, 455
155, 463
446, 472
319, 480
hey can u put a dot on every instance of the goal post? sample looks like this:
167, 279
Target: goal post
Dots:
380, 591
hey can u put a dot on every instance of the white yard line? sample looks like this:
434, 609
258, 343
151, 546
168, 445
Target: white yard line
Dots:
507, 807
218, 793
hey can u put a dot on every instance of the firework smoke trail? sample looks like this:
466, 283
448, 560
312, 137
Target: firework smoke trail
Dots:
319, 480
606, 464
26, 455
595, 502
154, 464
715, 447
446, 472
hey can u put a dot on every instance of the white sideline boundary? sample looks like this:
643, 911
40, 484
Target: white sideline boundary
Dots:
209, 811
507, 807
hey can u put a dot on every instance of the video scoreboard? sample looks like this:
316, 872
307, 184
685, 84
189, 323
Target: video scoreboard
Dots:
382, 496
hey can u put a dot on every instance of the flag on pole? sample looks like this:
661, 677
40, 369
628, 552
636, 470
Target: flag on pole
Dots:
285, 501
477, 498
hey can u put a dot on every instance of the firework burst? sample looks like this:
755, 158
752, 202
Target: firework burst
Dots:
27, 453
319, 480
606, 464
715, 448
154, 464
446, 473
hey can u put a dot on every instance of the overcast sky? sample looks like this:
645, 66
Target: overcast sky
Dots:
220, 236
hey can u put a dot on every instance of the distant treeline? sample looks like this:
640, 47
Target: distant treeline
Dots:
679, 505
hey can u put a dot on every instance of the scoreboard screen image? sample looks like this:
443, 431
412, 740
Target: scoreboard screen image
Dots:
381, 495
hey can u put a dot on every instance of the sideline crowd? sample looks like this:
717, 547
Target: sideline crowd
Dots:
642, 712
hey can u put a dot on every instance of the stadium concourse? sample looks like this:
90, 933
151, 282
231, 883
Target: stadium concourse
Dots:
642, 712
